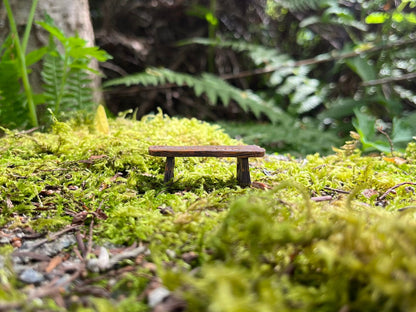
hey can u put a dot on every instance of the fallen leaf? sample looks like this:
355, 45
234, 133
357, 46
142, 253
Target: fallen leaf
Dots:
100, 120
395, 160
260, 185
55, 261
100, 214
368, 193
79, 217
16, 242
103, 186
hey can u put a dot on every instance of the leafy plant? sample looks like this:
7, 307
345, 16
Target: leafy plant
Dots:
376, 40
66, 75
287, 135
286, 76
366, 126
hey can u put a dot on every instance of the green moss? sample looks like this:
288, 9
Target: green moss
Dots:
252, 249
271, 256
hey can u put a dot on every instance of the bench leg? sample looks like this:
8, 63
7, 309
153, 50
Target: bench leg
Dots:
169, 168
243, 172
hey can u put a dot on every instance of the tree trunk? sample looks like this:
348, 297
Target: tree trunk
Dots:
73, 17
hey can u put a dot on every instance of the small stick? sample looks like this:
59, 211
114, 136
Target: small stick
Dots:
388, 138
81, 244
336, 190
394, 187
55, 235
89, 244
321, 198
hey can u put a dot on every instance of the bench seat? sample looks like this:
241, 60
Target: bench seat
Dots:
241, 152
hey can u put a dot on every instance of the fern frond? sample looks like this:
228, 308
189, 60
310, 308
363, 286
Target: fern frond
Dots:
258, 53
78, 92
72, 92
52, 73
301, 5
304, 92
212, 86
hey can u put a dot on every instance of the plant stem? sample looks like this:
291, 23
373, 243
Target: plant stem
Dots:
22, 62
212, 27
29, 25
62, 83
327, 57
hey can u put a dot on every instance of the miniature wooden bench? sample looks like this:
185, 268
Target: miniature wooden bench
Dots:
242, 152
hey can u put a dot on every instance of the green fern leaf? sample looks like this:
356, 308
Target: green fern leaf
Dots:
78, 93
198, 88
212, 86
258, 53
52, 73
301, 5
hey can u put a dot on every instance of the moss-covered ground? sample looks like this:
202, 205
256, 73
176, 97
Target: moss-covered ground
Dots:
334, 233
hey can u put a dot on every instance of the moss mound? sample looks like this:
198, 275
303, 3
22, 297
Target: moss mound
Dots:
318, 234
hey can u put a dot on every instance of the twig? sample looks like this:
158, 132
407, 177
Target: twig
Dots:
388, 138
321, 198
89, 244
31, 255
81, 244
54, 287
78, 253
10, 306
394, 187
388, 80
29, 131
336, 190
55, 235
406, 208
328, 57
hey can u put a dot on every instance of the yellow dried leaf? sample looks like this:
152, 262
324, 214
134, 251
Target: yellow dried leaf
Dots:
101, 122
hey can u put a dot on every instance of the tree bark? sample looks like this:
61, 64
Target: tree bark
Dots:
72, 17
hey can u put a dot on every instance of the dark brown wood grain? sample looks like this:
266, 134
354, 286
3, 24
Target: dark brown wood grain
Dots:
241, 151
243, 172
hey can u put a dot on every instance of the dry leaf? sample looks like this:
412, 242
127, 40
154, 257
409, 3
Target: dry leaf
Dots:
101, 122
368, 193
260, 185
395, 160
55, 261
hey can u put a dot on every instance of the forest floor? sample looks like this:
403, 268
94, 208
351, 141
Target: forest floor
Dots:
87, 224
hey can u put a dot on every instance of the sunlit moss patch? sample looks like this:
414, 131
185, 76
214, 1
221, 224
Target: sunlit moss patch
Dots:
334, 233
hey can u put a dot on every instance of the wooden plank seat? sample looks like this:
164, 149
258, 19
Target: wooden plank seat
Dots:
241, 152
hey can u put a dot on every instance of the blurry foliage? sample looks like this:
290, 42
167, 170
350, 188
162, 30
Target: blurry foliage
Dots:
375, 77
270, 255
66, 76
213, 87
320, 59
285, 135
